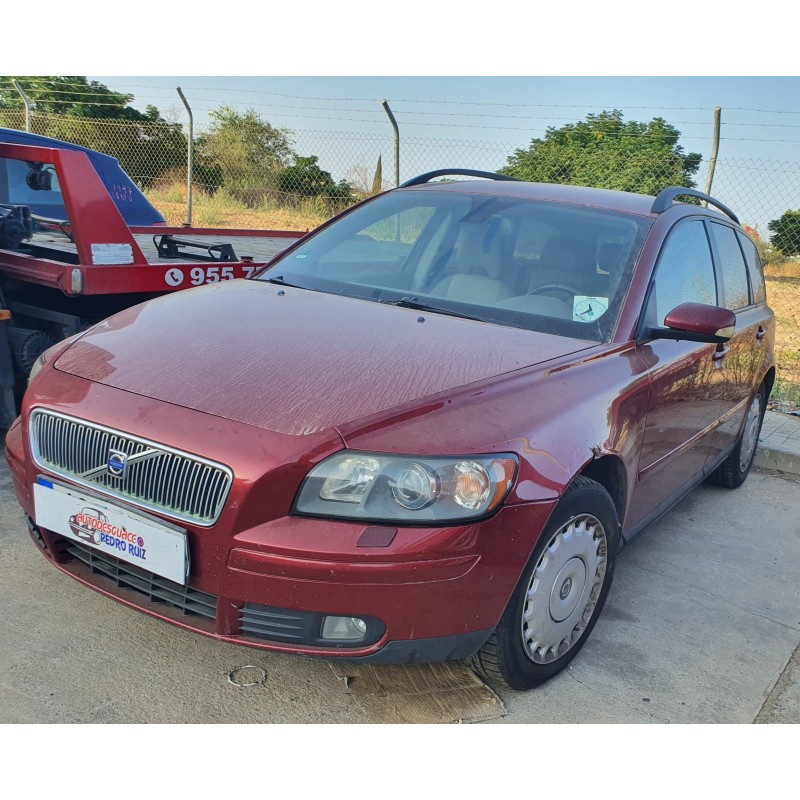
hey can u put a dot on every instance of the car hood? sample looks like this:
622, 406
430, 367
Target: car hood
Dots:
295, 361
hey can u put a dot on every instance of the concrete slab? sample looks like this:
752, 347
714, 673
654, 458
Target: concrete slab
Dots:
783, 703
779, 444
701, 620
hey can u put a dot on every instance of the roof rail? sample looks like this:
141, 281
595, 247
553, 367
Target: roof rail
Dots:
665, 198
472, 173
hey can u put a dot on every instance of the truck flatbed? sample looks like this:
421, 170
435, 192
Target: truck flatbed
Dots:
258, 248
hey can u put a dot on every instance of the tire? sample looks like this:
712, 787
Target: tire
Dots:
581, 537
731, 473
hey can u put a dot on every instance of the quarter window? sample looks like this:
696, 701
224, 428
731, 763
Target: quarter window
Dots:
734, 271
753, 268
685, 271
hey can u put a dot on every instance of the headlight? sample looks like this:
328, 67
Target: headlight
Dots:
406, 489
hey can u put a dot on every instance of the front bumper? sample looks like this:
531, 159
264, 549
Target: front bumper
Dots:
437, 593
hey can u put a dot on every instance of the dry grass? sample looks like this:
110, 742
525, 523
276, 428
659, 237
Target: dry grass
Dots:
788, 269
223, 211
783, 295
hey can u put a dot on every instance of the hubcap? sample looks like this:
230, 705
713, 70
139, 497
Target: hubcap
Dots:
750, 434
564, 588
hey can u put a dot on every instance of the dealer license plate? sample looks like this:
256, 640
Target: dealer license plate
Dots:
112, 530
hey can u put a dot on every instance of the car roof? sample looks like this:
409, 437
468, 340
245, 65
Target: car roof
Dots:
609, 199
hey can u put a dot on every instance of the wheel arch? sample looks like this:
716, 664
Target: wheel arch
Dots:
609, 471
769, 381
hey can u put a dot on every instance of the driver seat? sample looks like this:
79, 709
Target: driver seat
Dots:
557, 264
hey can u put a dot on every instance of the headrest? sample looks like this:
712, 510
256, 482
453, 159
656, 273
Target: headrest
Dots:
479, 248
559, 254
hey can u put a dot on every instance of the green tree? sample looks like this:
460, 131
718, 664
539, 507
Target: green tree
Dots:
377, 181
243, 153
606, 152
307, 179
73, 96
786, 233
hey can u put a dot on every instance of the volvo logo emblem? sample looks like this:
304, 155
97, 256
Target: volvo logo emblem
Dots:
117, 461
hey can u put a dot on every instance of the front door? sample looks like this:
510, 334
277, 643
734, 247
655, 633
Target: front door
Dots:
686, 378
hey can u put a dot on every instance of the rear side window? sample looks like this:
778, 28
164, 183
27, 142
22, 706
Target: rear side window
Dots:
685, 271
734, 271
753, 268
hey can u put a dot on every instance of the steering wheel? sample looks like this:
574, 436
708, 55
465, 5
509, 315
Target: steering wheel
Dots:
568, 291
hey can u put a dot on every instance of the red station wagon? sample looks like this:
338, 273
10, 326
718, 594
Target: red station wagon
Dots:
423, 433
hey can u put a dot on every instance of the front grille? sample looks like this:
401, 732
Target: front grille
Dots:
154, 587
158, 478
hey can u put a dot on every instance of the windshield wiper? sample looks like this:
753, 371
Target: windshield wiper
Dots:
416, 304
281, 282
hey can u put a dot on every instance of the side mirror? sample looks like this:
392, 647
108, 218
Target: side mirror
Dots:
698, 322
39, 178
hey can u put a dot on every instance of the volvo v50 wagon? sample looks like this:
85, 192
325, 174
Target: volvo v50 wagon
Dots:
422, 433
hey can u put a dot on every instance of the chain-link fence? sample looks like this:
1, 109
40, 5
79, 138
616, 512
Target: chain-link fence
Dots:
249, 174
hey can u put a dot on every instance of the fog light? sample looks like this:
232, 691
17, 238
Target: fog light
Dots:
343, 628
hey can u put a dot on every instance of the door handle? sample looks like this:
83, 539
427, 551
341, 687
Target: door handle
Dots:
761, 333
720, 353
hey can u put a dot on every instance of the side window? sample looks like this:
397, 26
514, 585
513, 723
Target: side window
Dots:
734, 271
15, 188
753, 268
685, 271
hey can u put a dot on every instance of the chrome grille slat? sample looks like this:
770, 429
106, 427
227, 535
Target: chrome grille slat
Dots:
178, 484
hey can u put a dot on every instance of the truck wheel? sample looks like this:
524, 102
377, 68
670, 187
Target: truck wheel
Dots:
560, 594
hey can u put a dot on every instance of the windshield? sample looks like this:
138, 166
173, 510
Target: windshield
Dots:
542, 266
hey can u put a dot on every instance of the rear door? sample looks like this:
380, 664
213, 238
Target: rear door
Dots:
742, 291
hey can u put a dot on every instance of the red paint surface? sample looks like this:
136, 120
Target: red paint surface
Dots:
296, 362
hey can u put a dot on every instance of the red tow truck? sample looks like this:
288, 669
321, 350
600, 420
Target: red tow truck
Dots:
78, 255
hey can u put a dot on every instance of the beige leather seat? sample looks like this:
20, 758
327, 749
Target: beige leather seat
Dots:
561, 263
478, 256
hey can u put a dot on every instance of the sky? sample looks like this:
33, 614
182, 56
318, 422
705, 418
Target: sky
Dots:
466, 88
477, 122
760, 115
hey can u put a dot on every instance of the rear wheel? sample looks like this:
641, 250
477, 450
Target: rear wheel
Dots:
560, 594
732, 472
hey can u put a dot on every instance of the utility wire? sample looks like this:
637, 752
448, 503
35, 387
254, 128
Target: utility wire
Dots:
232, 89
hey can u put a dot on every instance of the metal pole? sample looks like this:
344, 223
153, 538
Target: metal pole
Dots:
189, 161
396, 142
712, 162
26, 100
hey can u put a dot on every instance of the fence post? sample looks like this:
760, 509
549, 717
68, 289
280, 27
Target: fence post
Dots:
712, 162
189, 161
396, 142
26, 100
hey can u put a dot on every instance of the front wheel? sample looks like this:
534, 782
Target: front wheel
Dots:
560, 594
